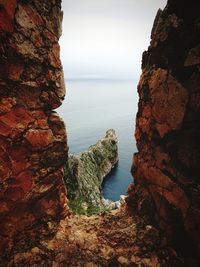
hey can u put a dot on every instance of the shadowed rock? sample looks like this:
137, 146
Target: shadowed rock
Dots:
167, 166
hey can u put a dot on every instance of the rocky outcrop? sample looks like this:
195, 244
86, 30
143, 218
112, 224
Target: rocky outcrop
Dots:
167, 166
35, 226
33, 146
85, 172
115, 239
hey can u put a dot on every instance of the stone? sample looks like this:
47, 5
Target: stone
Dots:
169, 99
166, 166
15, 121
37, 39
19, 153
54, 56
32, 154
122, 260
25, 181
193, 57
27, 17
6, 104
85, 172
5, 166
14, 70
50, 36
39, 138
7, 15
26, 48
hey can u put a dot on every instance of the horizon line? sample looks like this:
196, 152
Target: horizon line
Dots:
100, 79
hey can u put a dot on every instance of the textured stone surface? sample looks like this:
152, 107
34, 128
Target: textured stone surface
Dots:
33, 145
167, 166
7, 15
85, 172
35, 226
115, 239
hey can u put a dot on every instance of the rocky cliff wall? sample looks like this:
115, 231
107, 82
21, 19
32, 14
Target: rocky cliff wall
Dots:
84, 173
166, 168
33, 145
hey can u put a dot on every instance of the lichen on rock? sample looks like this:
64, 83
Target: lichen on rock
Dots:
85, 172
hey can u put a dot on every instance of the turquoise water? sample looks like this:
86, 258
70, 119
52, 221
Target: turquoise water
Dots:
93, 107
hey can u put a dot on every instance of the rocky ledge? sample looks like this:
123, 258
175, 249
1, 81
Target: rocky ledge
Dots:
85, 172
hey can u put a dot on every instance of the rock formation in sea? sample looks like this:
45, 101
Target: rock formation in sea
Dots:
167, 166
85, 172
36, 225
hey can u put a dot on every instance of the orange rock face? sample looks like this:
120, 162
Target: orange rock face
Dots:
7, 15
167, 166
33, 146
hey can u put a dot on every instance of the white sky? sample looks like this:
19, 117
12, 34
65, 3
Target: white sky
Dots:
105, 38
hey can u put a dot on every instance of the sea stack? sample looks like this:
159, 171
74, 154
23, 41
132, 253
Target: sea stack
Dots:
85, 172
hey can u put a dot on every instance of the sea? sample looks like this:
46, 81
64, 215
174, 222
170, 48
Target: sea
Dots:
90, 108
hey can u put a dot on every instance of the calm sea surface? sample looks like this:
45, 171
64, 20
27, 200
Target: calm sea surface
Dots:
89, 110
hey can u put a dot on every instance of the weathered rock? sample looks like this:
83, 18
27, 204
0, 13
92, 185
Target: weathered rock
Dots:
7, 15
35, 226
167, 166
110, 239
85, 172
33, 145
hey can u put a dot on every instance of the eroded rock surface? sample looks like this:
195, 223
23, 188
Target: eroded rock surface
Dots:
166, 169
85, 172
33, 145
115, 239
36, 228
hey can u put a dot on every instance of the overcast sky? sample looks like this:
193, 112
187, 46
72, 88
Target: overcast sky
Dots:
105, 38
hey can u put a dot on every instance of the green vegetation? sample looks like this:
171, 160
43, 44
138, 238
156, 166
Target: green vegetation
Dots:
80, 206
83, 175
